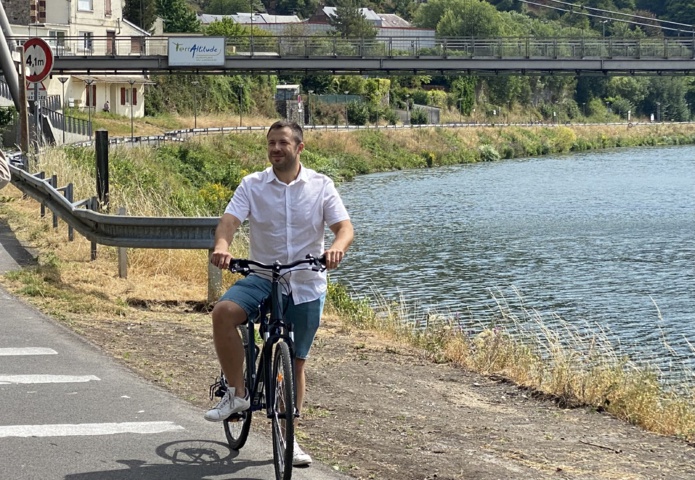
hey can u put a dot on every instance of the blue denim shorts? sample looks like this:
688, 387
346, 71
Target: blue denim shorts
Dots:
250, 292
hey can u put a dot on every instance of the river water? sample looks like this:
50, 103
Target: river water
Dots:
601, 240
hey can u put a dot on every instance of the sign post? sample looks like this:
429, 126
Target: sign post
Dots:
38, 62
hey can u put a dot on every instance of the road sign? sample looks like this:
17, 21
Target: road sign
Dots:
32, 89
39, 59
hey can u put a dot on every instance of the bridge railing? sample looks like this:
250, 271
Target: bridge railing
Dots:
379, 47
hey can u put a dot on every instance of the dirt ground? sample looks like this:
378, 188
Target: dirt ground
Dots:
376, 410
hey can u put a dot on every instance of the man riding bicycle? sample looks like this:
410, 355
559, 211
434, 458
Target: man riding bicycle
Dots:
288, 206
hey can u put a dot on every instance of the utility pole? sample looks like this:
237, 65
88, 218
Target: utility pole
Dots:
23, 113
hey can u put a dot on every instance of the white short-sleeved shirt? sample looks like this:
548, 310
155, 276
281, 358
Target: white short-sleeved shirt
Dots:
287, 222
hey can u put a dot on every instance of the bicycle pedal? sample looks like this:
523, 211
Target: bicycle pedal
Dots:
218, 389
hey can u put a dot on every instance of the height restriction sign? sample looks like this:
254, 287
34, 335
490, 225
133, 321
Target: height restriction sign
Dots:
39, 59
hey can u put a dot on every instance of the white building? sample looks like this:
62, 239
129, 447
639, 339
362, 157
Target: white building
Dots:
76, 27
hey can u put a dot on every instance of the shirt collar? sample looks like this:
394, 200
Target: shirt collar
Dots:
302, 177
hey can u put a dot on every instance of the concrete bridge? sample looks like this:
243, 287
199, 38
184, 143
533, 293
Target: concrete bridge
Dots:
384, 56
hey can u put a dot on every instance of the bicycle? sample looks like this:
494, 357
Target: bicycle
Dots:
270, 385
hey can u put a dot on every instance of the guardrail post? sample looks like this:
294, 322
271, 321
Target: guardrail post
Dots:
54, 184
102, 156
214, 280
42, 176
69, 194
93, 205
122, 254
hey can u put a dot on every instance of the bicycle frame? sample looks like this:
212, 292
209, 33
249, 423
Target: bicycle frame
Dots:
273, 329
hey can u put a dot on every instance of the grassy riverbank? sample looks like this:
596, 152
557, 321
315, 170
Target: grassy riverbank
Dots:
197, 178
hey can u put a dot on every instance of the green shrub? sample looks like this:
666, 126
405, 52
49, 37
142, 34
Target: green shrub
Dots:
488, 153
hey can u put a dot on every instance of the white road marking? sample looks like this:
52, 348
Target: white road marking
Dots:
5, 379
68, 430
26, 351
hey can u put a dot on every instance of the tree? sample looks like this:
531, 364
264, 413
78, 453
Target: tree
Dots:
681, 11
460, 18
303, 8
349, 21
227, 7
667, 98
178, 16
142, 13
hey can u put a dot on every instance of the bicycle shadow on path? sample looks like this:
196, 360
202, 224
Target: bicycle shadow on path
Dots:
190, 460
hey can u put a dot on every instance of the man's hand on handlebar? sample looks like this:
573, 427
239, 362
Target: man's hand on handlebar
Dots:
221, 259
333, 258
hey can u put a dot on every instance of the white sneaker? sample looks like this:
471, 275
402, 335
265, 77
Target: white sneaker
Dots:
299, 457
227, 405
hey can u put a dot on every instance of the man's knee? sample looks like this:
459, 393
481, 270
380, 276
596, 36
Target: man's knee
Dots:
227, 314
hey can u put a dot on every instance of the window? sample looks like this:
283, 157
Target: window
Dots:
56, 38
137, 45
128, 96
57, 41
87, 38
85, 5
107, 8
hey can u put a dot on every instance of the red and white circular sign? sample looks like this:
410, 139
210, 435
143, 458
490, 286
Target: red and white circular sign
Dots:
39, 59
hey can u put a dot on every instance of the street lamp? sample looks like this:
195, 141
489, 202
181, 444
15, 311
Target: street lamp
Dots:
460, 110
195, 103
62, 81
311, 114
346, 107
252, 14
132, 103
90, 100
407, 108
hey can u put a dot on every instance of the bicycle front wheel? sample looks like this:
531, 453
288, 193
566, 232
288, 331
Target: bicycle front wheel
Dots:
283, 411
236, 427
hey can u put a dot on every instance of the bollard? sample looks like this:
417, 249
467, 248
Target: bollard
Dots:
102, 156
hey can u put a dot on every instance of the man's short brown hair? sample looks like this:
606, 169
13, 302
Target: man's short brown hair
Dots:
297, 132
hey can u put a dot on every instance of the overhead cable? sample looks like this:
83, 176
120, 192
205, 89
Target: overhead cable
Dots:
609, 18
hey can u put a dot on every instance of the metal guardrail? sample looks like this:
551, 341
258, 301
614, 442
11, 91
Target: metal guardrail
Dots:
115, 230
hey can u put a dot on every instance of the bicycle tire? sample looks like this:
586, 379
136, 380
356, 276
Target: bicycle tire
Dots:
237, 427
283, 412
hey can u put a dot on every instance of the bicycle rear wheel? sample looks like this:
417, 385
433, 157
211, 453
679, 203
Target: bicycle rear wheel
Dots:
283, 411
236, 427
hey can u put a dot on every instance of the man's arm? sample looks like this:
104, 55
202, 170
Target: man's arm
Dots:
344, 235
224, 234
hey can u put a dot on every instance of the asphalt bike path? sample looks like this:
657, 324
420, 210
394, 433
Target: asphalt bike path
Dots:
68, 411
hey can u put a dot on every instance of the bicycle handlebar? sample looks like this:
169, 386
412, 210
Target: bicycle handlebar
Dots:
244, 266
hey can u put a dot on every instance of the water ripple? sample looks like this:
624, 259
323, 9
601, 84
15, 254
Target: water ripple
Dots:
604, 237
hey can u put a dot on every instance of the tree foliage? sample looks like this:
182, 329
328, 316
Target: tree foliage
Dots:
349, 21
142, 13
227, 7
303, 8
178, 16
